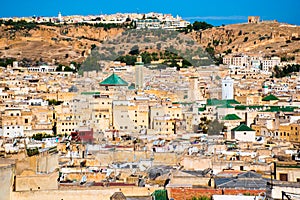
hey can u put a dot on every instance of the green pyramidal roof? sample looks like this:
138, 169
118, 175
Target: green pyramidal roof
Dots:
113, 80
242, 127
231, 117
271, 97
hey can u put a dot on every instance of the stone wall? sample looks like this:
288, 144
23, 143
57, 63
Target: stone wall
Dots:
128, 156
37, 182
6, 181
83, 193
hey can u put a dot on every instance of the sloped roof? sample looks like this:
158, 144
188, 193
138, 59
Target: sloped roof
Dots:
131, 86
90, 93
118, 196
231, 117
249, 174
242, 127
227, 105
247, 180
270, 97
114, 80
278, 108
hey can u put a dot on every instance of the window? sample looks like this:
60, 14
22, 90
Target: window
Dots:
26, 121
283, 177
245, 133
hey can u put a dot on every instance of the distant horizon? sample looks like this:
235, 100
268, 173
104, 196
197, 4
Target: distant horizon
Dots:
214, 20
216, 12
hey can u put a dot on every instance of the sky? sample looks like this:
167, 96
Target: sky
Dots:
216, 12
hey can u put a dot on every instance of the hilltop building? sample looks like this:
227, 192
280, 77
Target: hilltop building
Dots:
253, 19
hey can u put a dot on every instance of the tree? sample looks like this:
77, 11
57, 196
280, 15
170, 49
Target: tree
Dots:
215, 127
134, 50
201, 26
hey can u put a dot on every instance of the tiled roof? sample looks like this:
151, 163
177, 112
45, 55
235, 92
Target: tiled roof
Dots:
270, 97
242, 127
247, 180
114, 80
278, 108
225, 106
90, 93
231, 117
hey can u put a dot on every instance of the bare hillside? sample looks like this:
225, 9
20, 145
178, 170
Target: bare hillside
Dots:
52, 43
267, 38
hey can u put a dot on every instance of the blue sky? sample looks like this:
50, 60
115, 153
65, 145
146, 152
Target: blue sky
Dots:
216, 12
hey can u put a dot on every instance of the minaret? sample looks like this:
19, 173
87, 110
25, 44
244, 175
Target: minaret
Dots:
265, 88
59, 17
227, 88
139, 74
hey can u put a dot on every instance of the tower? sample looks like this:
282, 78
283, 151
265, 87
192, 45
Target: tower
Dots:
227, 88
139, 74
194, 90
265, 88
59, 17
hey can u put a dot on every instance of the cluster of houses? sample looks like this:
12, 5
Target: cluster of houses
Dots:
139, 133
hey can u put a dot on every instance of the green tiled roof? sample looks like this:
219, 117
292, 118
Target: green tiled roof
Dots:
225, 106
201, 109
243, 107
240, 107
242, 127
90, 93
217, 102
270, 97
113, 80
231, 117
182, 103
131, 87
278, 108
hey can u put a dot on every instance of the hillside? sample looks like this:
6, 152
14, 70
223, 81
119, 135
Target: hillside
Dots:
66, 43
268, 38
57, 44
